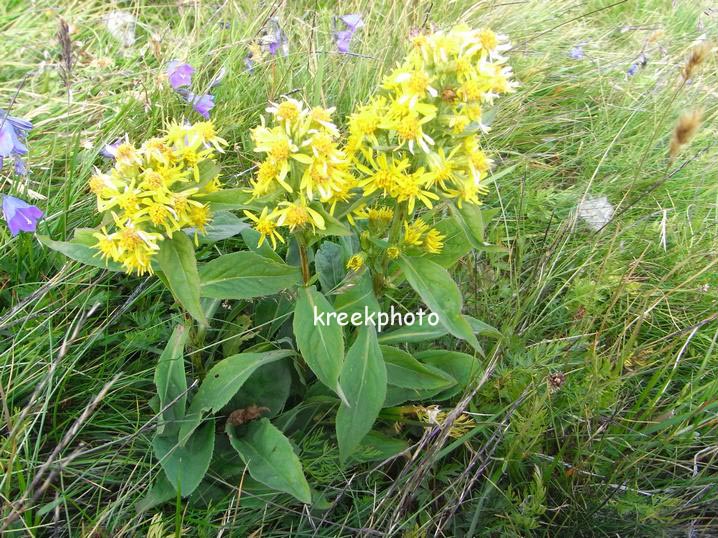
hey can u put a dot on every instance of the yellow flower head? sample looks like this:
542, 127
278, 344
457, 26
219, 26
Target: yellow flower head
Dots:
433, 242
297, 215
393, 252
266, 225
414, 232
356, 262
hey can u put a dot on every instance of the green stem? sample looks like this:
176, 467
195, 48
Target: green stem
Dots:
303, 259
379, 280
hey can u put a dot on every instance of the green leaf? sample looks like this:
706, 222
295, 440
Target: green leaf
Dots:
270, 459
456, 243
471, 222
171, 382
332, 225
179, 266
162, 491
438, 290
272, 313
251, 239
403, 370
424, 332
359, 296
208, 170
227, 199
378, 447
243, 275
483, 329
221, 383
400, 395
222, 226
416, 332
321, 345
81, 249
268, 386
185, 466
329, 261
461, 366
363, 380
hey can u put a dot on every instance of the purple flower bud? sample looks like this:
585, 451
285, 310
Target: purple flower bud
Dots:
275, 39
249, 62
20, 167
576, 52
179, 74
343, 38
20, 216
6, 140
203, 104
632, 70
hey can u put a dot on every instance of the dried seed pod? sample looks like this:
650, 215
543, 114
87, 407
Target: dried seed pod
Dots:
556, 380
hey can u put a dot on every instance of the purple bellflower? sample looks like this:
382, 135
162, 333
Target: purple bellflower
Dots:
576, 52
352, 23
13, 132
179, 74
201, 103
20, 216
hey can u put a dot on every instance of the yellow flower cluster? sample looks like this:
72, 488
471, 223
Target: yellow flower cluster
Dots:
418, 141
415, 144
303, 167
152, 191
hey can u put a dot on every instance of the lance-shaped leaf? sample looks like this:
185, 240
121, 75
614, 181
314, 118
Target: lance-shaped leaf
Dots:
270, 459
81, 248
359, 297
226, 199
185, 466
363, 381
222, 226
329, 262
460, 366
221, 383
438, 290
319, 339
405, 371
179, 267
171, 382
424, 332
243, 275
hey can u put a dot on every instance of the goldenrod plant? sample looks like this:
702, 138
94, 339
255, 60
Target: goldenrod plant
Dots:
340, 219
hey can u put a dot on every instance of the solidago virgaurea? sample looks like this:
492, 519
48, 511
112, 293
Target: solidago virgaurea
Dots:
414, 145
155, 190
